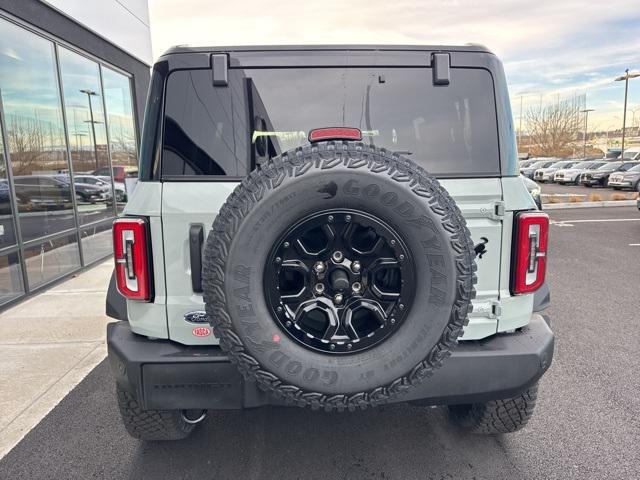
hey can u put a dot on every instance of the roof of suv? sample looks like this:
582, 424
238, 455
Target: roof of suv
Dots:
470, 47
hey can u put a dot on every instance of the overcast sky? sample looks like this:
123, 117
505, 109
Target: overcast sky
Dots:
548, 47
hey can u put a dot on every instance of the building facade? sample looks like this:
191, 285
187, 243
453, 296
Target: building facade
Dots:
73, 81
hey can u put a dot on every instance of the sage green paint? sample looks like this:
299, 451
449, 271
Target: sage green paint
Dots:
174, 206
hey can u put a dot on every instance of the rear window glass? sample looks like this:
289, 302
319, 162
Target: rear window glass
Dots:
449, 130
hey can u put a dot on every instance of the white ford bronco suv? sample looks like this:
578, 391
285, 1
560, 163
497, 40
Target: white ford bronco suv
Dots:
332, 227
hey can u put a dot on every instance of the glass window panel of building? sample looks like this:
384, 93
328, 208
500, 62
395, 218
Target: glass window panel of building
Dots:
7, 234
35, 132
87, 135
122, 136
11, 285
51, 259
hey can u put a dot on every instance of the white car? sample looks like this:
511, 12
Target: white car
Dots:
546, 174
572, 174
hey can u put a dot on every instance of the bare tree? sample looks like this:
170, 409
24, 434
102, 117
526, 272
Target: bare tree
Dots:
27, 144
552, 128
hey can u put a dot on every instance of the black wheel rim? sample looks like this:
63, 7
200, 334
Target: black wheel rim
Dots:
339, 281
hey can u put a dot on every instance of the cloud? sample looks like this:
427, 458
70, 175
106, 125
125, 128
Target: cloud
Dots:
549, 47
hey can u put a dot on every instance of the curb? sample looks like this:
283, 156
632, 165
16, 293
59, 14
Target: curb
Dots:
605, 203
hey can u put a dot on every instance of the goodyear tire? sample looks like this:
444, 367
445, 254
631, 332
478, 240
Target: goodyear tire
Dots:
409, 205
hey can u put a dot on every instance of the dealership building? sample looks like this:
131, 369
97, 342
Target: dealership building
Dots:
73, 81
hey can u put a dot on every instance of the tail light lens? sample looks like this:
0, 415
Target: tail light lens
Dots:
130, 248
531, 240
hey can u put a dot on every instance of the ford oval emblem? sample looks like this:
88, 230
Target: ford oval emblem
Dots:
201, 332
198, 316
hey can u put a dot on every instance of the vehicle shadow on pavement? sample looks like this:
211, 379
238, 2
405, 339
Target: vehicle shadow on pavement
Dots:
84, 437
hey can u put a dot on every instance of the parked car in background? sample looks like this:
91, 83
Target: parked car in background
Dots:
534, 189
105, 181
543, 175
600, 176
632, 153
629, 179
42, 192
526, 163
120, 172
529, 171
5, 198
572, 174
87, 192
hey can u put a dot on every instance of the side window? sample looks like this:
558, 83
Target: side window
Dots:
198, 127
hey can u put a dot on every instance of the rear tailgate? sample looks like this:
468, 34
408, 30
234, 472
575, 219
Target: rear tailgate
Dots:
187, 204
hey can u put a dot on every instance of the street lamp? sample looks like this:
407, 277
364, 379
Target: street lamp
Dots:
626, 78
90, 93
586, 126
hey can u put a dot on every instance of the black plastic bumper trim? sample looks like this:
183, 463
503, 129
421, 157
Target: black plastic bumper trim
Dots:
541, 298
167, 375
116, 304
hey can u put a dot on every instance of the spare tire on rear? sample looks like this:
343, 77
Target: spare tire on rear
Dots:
338, 275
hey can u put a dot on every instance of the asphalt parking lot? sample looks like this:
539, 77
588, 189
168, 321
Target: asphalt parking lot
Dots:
586, 424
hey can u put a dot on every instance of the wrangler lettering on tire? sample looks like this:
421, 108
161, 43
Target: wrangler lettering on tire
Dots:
312, 270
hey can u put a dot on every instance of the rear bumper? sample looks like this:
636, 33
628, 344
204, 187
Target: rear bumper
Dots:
166, 375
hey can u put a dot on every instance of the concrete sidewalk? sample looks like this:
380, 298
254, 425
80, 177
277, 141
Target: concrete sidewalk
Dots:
48, 344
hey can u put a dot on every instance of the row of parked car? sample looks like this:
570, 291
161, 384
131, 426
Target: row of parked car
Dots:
618, 173
53, 191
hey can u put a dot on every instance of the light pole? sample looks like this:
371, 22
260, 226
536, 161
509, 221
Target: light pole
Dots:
586, 126
626, 78
90, 93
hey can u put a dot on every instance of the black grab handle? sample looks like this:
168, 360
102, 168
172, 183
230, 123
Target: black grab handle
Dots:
196, 239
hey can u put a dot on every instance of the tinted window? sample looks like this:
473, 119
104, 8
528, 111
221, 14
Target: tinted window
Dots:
210, 130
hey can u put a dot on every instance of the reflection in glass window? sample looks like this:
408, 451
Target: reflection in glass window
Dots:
51, 259
97, 241
87, 136
34, 131
122, 135
7, 235
10, 277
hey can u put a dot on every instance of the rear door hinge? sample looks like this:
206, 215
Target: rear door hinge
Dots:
496, 309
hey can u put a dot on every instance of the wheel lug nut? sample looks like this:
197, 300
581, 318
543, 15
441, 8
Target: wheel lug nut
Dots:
319, 288
278, 259
318, 267
401, 257
349, 346
285, 244
330, 218
332, 346
356, 287
337, 256
338, 298
279, 309
348, 218
355, 266
401, 306
393, 320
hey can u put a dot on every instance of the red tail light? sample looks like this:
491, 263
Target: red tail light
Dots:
530, 252
132, 258
335, 133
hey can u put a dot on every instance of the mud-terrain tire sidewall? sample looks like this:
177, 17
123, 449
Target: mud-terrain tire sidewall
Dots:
427, 222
